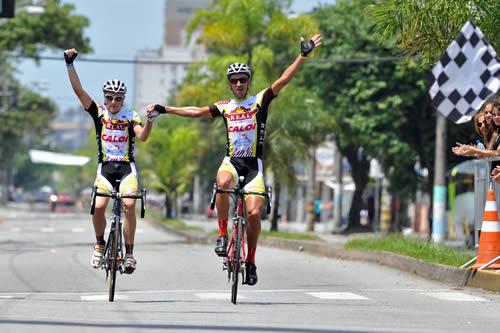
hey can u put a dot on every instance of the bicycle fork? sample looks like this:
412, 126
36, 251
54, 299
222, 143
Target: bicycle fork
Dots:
106, 260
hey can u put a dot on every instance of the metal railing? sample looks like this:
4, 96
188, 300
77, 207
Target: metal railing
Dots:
482, 183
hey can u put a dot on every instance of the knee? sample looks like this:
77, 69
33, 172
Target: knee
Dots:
129, 207
224, 182
253, 213
100, 208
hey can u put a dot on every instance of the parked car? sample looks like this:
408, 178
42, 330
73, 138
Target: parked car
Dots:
61, 199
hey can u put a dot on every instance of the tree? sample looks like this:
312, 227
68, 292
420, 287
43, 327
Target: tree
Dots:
170, 158
56, 28
378, 104
423, 30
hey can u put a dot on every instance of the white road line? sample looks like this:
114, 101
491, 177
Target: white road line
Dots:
139, 231
15, 229
77, 230
7, 297
455, 297
47, 229
337, 295
217, 296
103, 297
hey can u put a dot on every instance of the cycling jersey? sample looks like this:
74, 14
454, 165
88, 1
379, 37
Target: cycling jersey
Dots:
245, 122
114, 133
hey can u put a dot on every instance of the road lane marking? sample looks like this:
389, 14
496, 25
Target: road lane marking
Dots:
7, 297
217, 296
47, 229
139, 231
337, 295
455, 297
15, 229
77, 230
103, 297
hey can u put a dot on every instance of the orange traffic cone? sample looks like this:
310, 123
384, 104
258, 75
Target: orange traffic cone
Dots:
489, 240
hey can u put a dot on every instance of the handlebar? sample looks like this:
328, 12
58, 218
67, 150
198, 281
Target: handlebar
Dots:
239, 191
119, 196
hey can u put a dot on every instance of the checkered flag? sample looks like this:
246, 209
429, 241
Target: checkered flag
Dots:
466, 75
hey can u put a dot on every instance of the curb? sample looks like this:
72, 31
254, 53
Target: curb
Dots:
456, 276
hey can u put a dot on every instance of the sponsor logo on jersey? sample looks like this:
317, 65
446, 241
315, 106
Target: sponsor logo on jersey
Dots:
240, 113
114, 138
113, 124
242, 128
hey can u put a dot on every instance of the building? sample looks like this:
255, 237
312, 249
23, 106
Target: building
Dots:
159, 71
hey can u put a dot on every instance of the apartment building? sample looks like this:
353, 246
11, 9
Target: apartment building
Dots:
159, 71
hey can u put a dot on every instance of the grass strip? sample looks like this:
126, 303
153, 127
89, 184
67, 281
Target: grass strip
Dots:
415, 248
175, 224
289, 235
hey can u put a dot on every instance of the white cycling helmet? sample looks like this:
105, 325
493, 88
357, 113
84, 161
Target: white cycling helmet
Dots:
239, 68
115, 86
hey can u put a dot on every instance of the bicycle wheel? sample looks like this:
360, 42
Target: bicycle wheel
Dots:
115, 238
236, 261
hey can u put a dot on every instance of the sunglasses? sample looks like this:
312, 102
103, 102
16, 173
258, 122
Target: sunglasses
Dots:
111, 98
242, 80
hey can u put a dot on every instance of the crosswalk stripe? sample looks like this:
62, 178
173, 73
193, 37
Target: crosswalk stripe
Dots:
454, 296
103, 297
337, 295
217, 296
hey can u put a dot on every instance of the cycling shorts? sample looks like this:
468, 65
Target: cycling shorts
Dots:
109, 172
251, 168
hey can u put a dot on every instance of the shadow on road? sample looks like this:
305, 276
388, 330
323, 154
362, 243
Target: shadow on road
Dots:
176, 327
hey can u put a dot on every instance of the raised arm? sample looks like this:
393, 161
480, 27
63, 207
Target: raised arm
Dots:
289, 73
85, 99
154, 110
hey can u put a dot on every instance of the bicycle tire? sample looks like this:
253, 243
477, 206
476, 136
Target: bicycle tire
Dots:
236, 262
114, 260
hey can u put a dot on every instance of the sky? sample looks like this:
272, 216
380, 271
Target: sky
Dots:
118, 29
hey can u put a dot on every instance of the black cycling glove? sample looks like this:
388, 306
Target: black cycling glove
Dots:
69, 59
306, 47
160, 108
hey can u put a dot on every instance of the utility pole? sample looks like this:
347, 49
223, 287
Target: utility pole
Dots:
439, 191
311, 186
337, 200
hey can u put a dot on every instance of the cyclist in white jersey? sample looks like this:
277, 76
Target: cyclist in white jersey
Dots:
116, 128
245, 119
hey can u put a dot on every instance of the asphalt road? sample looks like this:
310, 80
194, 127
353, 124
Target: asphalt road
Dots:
47, 284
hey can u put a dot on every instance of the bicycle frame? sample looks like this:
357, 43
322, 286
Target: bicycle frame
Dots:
239, 225
113, 257
235, 260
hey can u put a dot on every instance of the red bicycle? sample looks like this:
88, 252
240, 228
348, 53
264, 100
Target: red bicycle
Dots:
234, 262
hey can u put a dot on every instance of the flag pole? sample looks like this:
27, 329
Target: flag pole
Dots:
439, 223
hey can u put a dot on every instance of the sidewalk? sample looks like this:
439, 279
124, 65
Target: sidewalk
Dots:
332, 246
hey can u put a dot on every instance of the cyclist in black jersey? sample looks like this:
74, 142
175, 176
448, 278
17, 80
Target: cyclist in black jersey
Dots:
116, 128
245, 120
